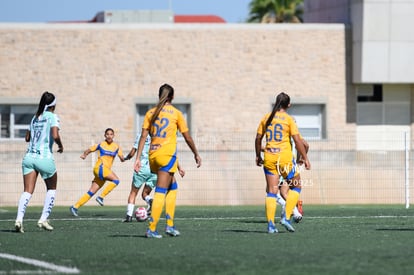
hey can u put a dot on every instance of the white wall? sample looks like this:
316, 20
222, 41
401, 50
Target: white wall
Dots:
383, 41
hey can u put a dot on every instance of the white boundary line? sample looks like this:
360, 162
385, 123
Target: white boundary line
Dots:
226, 218
50, 266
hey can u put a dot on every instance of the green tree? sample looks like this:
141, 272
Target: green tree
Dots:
275, 11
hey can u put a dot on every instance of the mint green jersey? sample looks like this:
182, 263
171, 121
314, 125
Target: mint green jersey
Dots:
145, 152
41, 140
144, 176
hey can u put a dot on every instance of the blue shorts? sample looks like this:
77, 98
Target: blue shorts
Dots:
144, 176
46, 167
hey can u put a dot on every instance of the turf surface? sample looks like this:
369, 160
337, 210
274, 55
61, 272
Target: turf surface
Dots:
370, 239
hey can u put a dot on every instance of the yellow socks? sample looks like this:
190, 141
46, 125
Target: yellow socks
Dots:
170, 203
270, 207
84, 199
157, 206
291, 201
109, 187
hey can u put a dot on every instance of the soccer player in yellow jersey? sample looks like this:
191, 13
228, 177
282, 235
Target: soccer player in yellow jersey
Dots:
162, 123
284, 188
107, 151
279, 127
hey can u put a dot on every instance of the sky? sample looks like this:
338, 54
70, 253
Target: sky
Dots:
43, 11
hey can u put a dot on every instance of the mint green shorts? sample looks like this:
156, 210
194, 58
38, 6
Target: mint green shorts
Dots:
144, 176
45, 167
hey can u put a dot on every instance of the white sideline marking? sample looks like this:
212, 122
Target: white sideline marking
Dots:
226, 218
58, 268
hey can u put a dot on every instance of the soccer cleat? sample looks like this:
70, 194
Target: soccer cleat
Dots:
282, 213
152, 234
170, 230
100, 201
128, 218
149, 207
299, 206
271, 228
287, 225
45, 225
74, 211
18, 225
297, 219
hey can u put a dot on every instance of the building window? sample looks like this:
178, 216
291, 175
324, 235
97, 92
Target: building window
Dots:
15, 120
383, 104
142, 109
311, 120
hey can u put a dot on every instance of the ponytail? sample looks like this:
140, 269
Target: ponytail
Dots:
47, 100
165, 94
276, 108
282, 102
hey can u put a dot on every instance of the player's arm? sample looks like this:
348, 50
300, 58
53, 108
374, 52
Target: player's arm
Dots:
131, 154
121, 158
189, 140
141, 144
56, 137
301, 149
181, 171
298, 155
258, 149
85, 153
27, 137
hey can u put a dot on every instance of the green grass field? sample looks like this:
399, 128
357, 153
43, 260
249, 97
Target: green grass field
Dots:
214, 240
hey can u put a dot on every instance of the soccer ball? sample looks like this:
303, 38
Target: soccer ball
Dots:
141, 214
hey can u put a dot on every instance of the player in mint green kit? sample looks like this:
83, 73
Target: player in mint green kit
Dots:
42, 134
143, 177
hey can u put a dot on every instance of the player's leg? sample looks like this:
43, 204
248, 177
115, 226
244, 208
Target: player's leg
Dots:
293, 197
113, 182
146, 196
298, 210
170, 203
131, 202
280, 199
150, 183
291, 201
138, 179
95, 186
29, 181
163, 183
166, 166
272, 181
284, 189
51, 183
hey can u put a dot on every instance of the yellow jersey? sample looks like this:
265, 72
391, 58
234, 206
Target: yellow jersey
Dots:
106, 153
278, 135
164, 130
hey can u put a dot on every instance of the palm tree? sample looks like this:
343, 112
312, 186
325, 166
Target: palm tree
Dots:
275, 11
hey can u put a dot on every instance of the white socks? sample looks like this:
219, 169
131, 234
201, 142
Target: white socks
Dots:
23, 202
148, 198
280, 200
296, 212
130, 206
130, 209
48, 205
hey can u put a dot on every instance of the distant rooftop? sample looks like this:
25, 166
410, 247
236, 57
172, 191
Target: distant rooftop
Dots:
148, 16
